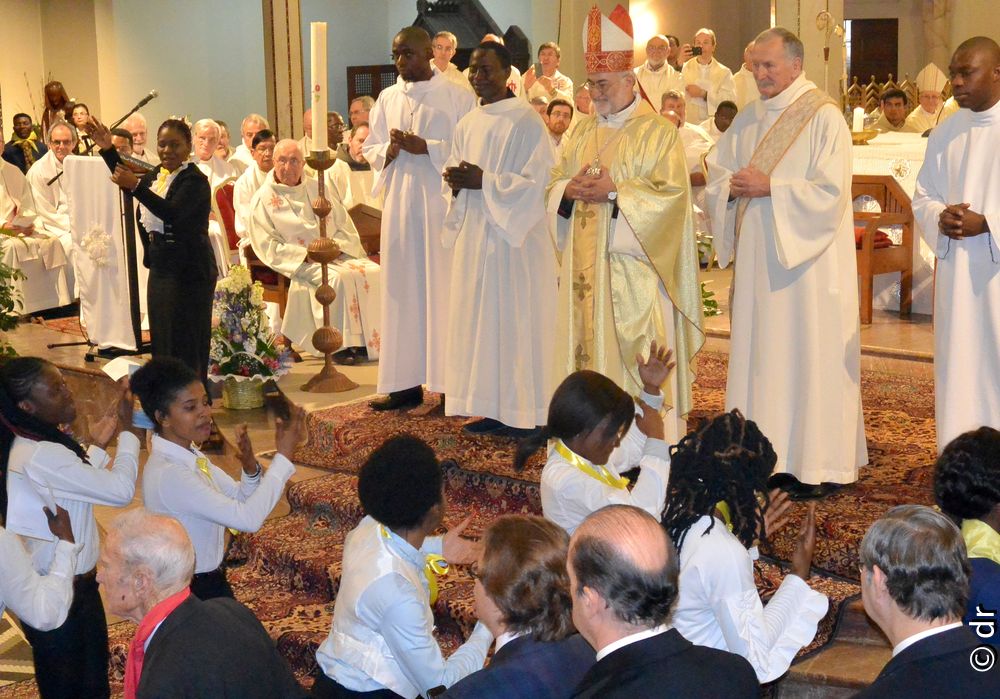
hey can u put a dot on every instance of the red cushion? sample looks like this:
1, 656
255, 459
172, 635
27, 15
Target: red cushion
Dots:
224, 200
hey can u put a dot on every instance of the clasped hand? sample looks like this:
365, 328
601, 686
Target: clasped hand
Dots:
959, 221
404, 140
590, 188
750, 182
464, 176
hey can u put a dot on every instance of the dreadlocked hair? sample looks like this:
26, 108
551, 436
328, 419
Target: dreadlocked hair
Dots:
17, 377
729, 460
581, 402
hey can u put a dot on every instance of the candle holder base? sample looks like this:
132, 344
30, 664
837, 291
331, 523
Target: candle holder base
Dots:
329, 380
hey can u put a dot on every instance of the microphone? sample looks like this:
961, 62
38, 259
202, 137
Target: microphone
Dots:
153, 94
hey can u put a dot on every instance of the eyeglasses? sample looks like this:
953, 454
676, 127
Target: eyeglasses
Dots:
600, 86
264, 149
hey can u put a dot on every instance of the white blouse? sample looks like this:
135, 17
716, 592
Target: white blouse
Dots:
40, 601
718, 605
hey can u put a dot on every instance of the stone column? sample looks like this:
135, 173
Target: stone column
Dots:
283, 67
937, 31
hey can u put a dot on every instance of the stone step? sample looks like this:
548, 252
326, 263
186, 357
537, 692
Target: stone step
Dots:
838, 671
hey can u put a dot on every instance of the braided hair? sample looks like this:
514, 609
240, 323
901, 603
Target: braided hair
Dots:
580, 403
967, 475
17, 377
729, 460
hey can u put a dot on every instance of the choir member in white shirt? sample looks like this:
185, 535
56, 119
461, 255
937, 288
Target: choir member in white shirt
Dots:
71, 660
178, 480
41, 601
382, 637
551, 84
595, 432
715, 512
242, 157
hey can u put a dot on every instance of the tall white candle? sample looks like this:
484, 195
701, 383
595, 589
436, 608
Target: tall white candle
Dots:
859, 120
318, 40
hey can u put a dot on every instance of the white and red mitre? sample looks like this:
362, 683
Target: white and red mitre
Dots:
607, 41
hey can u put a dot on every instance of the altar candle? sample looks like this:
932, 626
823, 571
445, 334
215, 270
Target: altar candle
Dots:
318, 40
859, 120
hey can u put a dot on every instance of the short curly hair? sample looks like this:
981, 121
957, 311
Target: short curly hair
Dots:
523, 571
967, 475
400, 482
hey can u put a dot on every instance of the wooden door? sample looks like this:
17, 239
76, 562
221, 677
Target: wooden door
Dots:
874, 49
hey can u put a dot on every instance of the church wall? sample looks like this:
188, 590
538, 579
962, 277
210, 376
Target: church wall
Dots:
974, 18
22, 55
69, 44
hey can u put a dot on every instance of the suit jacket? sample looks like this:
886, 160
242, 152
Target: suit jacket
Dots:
13, 154
984, 592
527, 669
214, 649
668, 665
937, 666
183, 249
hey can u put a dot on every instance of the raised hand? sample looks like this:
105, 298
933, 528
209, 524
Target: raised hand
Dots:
244, 450
805, 545
99, 133
656, 368
457, 549
777, 512
288, 434
124, 177
529, 77
118, 413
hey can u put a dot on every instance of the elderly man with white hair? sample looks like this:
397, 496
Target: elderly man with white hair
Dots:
205, 135
706, 81
656, 75
242, 157
136, 125
281, 226
444, 45
621, 184
183, 647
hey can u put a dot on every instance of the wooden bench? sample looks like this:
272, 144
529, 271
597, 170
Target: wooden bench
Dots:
896, 210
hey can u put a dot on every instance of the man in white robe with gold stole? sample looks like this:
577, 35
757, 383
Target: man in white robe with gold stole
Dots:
779, 195
282, 224
503, 281
621, 202
411, 124
957, 205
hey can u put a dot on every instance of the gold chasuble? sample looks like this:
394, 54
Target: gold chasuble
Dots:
621, 289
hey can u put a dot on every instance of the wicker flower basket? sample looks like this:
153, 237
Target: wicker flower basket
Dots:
242, 395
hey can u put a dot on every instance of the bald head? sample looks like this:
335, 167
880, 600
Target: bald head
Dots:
492, 37
622, 555
289, 162
657, 51
412, 53
975, 74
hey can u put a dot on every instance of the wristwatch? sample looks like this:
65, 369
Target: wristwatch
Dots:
612, 196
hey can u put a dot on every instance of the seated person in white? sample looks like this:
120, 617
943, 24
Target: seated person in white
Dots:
360, 176
205, 136
281, 226
382, 636
262, 149
716, 510
40, 258
180, 481
595, 432
251, 126
51, 203
338, 175
41, 601
720, 123
696, 143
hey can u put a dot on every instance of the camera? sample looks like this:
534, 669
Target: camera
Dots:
695, 50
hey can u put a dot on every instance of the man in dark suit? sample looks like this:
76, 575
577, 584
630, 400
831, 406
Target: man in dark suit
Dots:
623, 576
184, 647
24, 148
914, 584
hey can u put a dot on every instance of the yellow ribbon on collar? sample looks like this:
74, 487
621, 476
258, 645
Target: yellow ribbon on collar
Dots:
981, 540
202, 463
723, 507
601, 473
434, 565
160, 186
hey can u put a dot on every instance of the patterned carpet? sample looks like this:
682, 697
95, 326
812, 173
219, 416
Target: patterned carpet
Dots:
289, 571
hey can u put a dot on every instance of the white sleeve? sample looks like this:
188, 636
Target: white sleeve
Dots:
71, 478
41, 601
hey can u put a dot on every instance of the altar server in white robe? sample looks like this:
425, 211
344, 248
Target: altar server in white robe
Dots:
656, 76
42, 259
503, 280
262, 149
794, 364
51, 203
282, 224
412, 124
957, 206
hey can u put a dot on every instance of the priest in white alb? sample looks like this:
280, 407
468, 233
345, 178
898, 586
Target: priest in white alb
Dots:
780, 182
45, 178
282, 224
262, 152
620, 203
40, 258
503, 280
412, 124
957, 206
656, 75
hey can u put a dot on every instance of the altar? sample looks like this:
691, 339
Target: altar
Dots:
901, 156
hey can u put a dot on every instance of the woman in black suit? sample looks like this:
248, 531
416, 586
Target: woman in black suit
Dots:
175, 204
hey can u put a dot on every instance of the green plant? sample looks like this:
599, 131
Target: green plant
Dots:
710, 307
10, 305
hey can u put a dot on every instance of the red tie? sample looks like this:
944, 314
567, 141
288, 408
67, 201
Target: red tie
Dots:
137, 650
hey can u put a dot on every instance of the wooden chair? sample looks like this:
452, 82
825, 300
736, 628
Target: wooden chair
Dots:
225, 211
896, 210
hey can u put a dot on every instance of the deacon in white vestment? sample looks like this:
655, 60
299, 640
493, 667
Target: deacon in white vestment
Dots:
957, 206
42, 259
706, 81
794, 361
412, 124
515, 83
656, 76
282, 224
503, 280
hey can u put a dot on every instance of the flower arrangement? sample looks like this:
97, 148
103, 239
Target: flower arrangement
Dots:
242, 344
